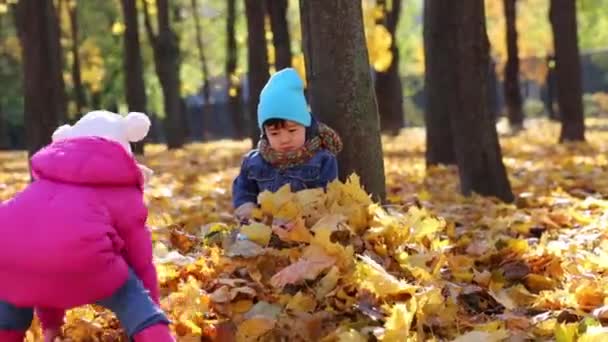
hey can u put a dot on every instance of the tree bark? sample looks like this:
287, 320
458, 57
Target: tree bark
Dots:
201, 50
44, 90
4, 138
166, 61
511, 86
133, 65
562, 14
76, 75
277, 11
439, 94
257, 60
476, 144
234, 99
340, 86
389, 90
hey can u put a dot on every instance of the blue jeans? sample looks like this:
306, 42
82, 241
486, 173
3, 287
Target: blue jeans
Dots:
131, 304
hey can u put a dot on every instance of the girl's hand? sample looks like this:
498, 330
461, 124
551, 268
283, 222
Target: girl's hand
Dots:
51, 334
146, 172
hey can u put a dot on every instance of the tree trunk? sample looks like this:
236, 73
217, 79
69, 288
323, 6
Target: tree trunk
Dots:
257, 61
4, 139
133, 65
44, 91
476, 144
76, 78
389, 90
511, 86
234, 98
277, 11
201, 50
340, 86
550, 88
562, 14
439, 94
166, 61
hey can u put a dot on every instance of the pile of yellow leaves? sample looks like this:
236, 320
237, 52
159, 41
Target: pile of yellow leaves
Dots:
429, 266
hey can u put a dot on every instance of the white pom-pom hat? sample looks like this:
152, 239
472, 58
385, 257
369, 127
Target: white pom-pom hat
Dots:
101, 123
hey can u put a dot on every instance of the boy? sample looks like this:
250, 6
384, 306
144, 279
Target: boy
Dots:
294, 148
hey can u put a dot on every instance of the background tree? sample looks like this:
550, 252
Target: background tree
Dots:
562, 15
133, 65
71, 7
340, 86
44, 91
167, 64
257, 60
439, 95
511, 73
201, 51
240, 122
277, 12
389, 91
476, 146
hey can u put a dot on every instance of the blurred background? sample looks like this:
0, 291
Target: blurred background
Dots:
196, 51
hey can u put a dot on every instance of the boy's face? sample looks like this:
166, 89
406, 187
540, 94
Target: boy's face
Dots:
287, 137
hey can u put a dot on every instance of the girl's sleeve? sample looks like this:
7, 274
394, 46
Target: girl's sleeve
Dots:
131, 226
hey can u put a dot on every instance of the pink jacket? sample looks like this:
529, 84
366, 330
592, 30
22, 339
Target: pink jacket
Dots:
69, 238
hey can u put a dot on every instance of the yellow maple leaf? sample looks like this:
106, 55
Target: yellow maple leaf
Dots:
373, 277
398, 324
257, 232
254, 328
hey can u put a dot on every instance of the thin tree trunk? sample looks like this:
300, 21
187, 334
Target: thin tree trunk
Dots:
562, 15
258, 73
44, 91
234, 99
478, 152
133, 65
4, 139
166, 61
76, 76
511, 86
277, 11
389, 90
439, 94
340, 86
201, 50
550, 88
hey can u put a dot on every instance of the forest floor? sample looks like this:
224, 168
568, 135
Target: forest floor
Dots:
431, 265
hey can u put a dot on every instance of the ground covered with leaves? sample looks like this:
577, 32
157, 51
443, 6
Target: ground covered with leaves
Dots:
430, 266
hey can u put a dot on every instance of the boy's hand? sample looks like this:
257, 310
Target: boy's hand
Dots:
282, 224
243, 212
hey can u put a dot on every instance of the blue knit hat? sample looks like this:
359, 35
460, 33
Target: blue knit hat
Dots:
283, 98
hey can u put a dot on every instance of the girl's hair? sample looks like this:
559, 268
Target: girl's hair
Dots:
311, 131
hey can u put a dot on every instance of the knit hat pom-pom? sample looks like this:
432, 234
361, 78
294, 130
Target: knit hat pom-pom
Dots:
138, 125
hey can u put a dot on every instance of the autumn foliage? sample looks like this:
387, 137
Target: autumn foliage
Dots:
429, 266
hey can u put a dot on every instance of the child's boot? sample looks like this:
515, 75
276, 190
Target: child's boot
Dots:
155, 333
12, 335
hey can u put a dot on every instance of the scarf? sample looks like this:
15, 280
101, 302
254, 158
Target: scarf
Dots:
327, 138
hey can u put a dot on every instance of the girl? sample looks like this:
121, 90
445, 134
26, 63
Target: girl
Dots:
77, 234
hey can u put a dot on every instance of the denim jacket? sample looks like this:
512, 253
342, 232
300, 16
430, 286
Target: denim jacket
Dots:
257, 175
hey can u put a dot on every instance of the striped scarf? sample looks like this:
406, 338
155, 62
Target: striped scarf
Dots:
327, 138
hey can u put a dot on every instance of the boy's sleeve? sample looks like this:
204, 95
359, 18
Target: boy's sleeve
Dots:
329, 170
244, 190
